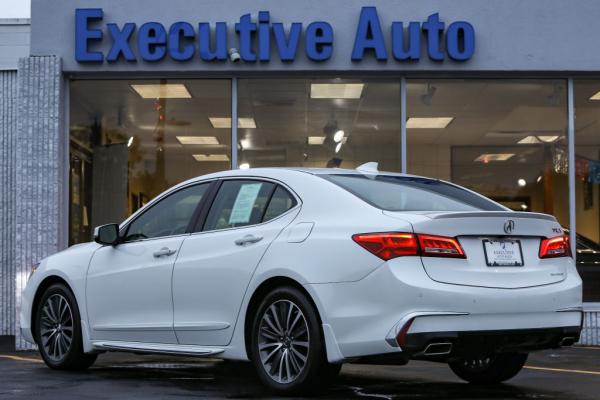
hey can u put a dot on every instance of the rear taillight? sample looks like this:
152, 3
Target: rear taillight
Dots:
388, 245
555, 247
440, 246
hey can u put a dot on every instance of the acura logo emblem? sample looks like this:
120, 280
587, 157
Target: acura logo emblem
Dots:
509, 226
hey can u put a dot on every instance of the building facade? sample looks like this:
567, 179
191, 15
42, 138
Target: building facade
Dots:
117, 101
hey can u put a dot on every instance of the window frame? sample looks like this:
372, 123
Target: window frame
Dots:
203, 214
124, 228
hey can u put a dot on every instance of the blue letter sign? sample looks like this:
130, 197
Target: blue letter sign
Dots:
259, 39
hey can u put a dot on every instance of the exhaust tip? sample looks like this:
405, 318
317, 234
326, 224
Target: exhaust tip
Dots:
567, 341
438, 349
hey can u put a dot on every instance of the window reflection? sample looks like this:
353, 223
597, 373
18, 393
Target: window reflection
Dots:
132, 139
505, 139
587, 188
319, 122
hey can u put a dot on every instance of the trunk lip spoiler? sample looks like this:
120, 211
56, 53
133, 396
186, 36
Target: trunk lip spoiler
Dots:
486, 214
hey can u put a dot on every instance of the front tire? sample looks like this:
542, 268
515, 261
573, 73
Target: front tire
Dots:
287, 346
58, 330
492, 369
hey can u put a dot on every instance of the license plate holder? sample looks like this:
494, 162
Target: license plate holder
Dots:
503, 252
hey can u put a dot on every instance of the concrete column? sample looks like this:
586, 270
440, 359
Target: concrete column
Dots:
41, 170
8, 129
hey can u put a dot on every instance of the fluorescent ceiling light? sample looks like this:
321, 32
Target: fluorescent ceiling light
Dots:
529, 140
197, 139
246, 123
316, 140
336, 90
487, 157
595, 96
225, 122
211, 157
338, 147
162, 91
428, 122
130, 141
537, 139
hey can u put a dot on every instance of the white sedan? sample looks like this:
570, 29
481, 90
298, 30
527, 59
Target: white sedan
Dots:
301, 270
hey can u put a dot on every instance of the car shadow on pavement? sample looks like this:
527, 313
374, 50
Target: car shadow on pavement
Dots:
227, 379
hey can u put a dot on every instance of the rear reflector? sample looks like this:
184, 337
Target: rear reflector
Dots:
555, 247
401, 337
388, 245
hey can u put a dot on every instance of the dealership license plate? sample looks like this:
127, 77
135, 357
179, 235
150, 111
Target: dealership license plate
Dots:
503, 253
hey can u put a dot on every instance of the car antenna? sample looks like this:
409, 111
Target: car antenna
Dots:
369, 168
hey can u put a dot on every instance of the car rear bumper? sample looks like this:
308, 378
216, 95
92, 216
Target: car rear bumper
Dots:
444, 345
366, 316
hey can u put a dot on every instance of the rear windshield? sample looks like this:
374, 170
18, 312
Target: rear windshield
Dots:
403, 193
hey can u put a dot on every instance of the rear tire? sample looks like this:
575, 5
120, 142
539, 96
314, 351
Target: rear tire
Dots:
491, 369
58, 330
287, 345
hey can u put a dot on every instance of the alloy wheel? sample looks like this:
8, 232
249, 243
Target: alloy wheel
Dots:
283, 341
56, 327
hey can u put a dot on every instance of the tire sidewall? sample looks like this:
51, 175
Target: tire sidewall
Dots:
316, 359
76, 343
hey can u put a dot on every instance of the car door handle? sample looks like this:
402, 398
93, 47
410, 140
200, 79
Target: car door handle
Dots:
248, 239
165, 251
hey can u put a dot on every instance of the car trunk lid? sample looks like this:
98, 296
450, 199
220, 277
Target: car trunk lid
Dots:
510, 229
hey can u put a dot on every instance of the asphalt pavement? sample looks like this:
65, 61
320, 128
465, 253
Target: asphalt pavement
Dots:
567, 374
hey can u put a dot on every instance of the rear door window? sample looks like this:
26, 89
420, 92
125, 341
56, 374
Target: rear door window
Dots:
403, 193
239, 203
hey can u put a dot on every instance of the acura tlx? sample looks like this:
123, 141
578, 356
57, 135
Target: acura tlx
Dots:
302, 270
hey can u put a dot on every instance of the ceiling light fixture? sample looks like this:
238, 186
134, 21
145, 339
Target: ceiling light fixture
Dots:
548, 139
487, 157
539, 179
201, 140
336, 90
162, 91
130, 141
225, 122
210, 157
428, 122
522, 182
538, 139
244, 166
316, 140
338, 147
338, 136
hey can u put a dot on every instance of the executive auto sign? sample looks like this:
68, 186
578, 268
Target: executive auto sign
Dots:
258, 40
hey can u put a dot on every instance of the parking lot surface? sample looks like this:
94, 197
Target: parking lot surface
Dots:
566, 374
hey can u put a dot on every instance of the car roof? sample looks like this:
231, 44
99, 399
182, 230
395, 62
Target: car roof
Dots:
270, 171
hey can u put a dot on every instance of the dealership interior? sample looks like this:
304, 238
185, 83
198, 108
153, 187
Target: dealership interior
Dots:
504, 138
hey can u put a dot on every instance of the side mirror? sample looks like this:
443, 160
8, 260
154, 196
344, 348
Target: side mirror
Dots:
107, 234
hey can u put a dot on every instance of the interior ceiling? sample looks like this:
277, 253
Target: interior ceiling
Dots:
485, 112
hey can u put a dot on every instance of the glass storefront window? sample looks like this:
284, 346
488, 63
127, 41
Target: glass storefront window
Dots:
587, 187
503, 138
132, 139
319, 122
